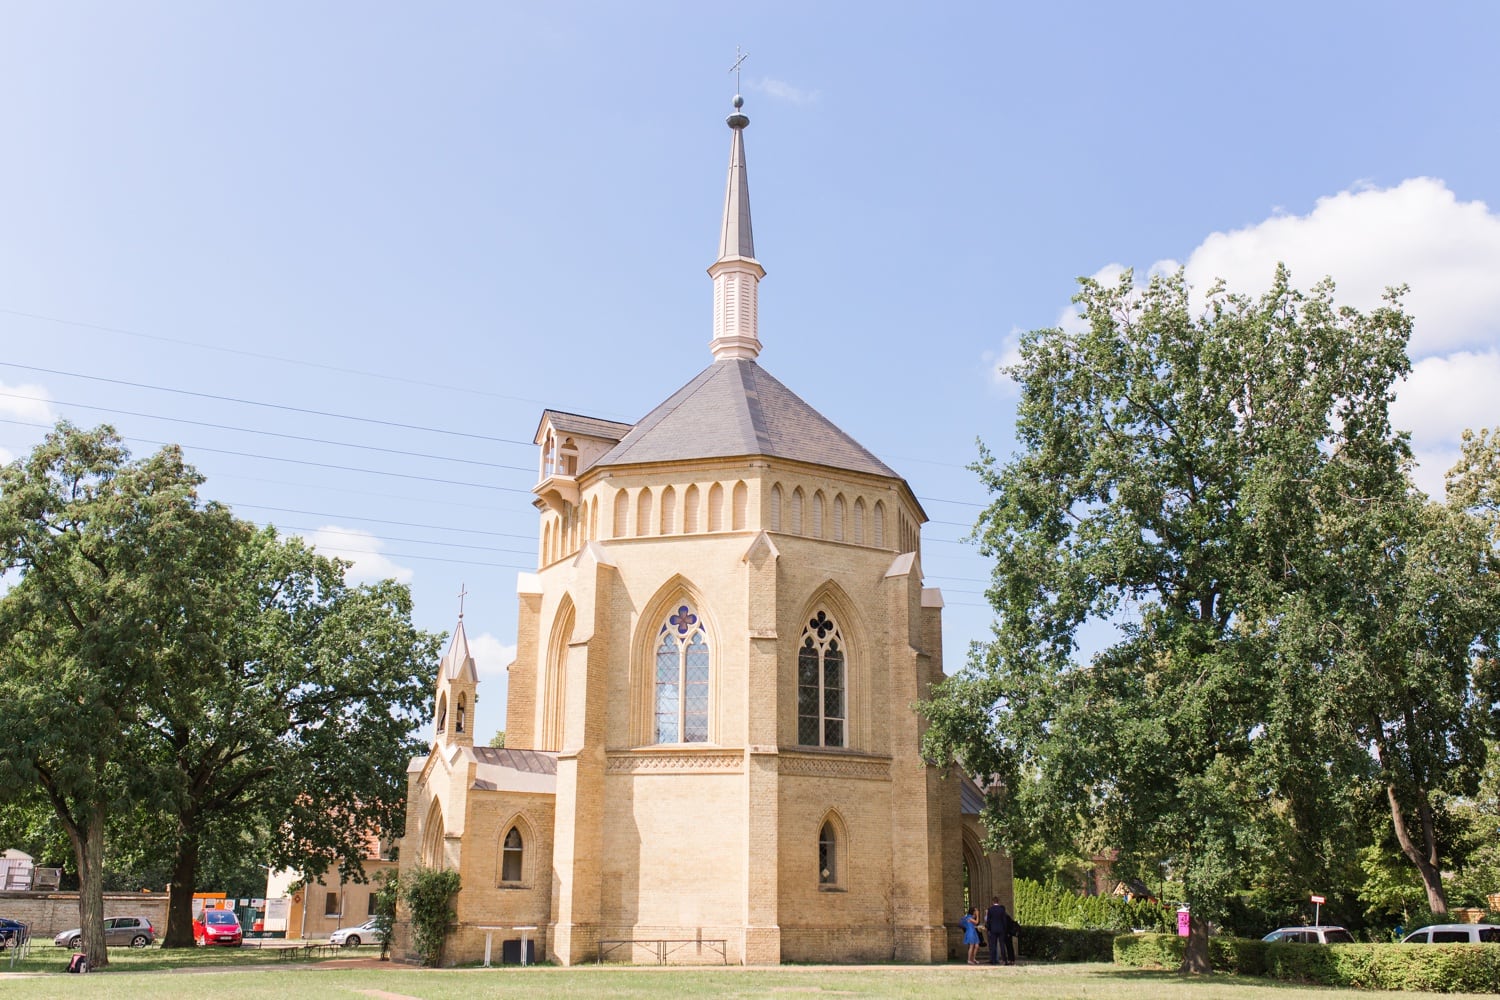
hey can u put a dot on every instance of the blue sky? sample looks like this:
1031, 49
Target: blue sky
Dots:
447, 216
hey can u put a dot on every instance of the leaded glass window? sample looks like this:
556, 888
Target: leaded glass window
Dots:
682, 662
828, 856
512, 856
821, 700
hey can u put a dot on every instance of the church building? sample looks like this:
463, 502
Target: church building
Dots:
711, 751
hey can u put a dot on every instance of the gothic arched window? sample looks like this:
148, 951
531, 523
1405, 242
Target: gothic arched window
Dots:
682, 661
828, 855
511, 856
821, 684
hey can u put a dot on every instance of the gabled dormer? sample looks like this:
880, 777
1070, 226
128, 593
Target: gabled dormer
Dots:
569, 444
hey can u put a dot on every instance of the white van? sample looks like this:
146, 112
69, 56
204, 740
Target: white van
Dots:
1455, 934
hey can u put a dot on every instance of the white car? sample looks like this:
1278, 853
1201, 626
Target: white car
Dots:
1454, 934
1314, 934
353, 937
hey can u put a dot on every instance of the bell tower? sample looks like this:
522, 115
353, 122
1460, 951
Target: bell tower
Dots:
457, 683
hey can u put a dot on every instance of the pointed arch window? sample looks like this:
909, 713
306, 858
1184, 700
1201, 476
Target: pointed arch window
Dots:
512, 854
442, 714
682, 668
828, 856
821, 684
462, 715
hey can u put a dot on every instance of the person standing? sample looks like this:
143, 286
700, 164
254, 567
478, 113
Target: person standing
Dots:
1008, 930
994, 925
970, 922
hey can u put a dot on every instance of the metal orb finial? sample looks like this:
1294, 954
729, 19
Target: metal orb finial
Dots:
739, 102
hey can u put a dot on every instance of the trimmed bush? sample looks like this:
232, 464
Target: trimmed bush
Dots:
1059, 906
1065, 944
1438, 968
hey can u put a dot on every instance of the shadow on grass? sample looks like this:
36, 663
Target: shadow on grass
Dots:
1217, 978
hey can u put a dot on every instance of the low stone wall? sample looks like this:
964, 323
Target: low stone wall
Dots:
50, 913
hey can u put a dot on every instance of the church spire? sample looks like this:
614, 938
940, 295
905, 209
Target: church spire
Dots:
736, 273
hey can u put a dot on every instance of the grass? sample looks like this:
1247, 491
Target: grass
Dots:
172, 978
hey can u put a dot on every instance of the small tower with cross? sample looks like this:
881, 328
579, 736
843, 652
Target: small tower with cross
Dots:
457, 683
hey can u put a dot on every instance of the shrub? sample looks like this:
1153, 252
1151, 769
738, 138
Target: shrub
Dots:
1065, 944
387, 892
1058, 906
1457, 968
429, 895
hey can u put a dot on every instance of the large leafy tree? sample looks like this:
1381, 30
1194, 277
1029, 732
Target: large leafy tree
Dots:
1160, 498
109, 558
199, 690
296, 732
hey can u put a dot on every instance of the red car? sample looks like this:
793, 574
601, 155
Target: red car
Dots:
218, 927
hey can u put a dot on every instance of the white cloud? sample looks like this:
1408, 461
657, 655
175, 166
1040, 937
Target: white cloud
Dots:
1417, 233
1367, 238
782, 91
362, 549
26, 402
491, 656
7, 456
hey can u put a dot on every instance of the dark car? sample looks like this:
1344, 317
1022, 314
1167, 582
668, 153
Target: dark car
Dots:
218, 927
12, 932
134, 931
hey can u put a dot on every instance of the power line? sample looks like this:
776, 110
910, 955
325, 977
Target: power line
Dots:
278, 434
299, 461
270, 357
270, 406
290, 528
377, 520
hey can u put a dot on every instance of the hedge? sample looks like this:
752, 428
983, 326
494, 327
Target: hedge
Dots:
1455, 968
1058, 906
1064, 944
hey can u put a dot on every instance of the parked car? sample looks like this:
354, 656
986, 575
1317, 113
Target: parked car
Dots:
1316, 934
12, 932
1454, 934
218, 927
353, 937
134, 931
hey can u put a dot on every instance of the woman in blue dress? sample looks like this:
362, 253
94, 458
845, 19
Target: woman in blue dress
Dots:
971, 933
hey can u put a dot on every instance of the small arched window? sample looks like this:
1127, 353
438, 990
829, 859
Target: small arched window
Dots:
442, 714
795, 513
643, 513
690, 513
459, 722
821, 681
741, 506
669, 511
568, 458
511, 857
622, 514
828, 855
716, 507
817, 515
838, 518
879, 525
775, 518
859, 521
681, 687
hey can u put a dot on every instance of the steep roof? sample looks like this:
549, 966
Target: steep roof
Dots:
457, 661
734, 407
577, 423
505, 770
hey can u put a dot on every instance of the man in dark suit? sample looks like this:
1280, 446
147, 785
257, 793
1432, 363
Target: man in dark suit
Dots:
995, 920
1009, 929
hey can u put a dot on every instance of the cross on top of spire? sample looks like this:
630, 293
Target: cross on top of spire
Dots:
739, 57
463, 591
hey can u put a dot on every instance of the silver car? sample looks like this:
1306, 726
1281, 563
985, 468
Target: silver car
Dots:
136, 932
1315, 934
1454, 934
353, 937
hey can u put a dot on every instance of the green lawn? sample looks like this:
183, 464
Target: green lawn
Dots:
189, 980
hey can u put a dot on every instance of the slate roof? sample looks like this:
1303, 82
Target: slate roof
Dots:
735, 407
575, 423
503, 770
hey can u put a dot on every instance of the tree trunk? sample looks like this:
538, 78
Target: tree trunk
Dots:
180, 894
88, 851
1425, 860
1195, 958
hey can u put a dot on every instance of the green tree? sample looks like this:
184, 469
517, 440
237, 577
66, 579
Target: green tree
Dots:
295, 729
110, 556
1161, 495
498, 740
